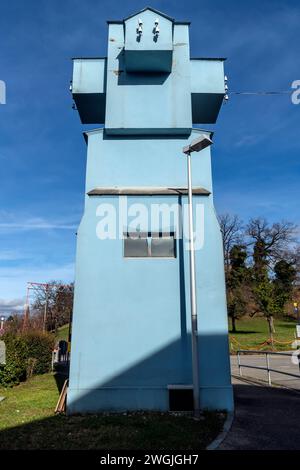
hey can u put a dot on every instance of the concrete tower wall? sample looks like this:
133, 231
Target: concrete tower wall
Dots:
131, 320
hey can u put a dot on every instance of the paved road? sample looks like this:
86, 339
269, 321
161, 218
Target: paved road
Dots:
266, 418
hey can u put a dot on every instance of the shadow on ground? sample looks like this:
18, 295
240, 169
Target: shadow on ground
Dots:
139, 431
266, 418
238, 332
61, 374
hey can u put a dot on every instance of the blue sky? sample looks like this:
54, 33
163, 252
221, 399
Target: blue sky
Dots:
256, 155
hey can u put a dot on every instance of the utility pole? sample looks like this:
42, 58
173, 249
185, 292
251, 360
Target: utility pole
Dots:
46, 306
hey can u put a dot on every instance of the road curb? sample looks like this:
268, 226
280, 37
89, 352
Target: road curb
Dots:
220, 438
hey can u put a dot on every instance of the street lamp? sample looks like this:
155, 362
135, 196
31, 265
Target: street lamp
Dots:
2, 320
196, 145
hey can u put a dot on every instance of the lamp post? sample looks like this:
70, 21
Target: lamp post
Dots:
196, 145
2, 320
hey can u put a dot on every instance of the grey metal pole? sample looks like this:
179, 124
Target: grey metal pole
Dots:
239, 363
268, 369
194, 325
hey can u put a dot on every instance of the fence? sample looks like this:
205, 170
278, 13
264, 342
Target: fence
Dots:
267, 357
61, 353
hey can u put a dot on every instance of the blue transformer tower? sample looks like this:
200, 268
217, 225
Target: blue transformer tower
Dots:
131, 341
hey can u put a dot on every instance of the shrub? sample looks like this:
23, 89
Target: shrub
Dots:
27, 354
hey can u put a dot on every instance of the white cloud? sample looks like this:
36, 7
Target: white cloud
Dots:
37, 225
12, 222
9, 306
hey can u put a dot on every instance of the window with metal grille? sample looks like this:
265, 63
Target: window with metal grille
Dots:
149, 245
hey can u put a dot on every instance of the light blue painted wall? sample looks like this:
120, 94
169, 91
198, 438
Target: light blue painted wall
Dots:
143, 161
89, 76
148, 103
131, 319
146, 42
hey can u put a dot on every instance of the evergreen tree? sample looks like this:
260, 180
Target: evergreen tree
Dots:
237, 281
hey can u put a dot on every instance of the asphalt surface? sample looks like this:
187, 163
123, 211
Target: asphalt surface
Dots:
266, 418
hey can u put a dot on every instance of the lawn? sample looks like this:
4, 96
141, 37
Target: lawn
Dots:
252, 332
62, 333
27, 421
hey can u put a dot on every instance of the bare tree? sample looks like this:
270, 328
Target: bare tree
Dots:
231, 228
270, 242
55, 302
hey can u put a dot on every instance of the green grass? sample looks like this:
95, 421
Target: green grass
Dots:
251, 332
27, 421
62, 333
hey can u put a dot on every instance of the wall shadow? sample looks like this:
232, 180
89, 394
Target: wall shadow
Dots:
138, 78
107, 136
144, 385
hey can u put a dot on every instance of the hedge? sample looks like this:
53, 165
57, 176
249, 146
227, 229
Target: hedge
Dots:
27, 354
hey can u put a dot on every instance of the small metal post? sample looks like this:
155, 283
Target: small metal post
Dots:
239, 364
268, 369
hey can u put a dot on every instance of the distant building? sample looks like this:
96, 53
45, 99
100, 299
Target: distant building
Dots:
131, 345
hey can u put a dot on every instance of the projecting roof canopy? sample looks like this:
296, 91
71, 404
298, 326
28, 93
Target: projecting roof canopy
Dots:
146, 191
